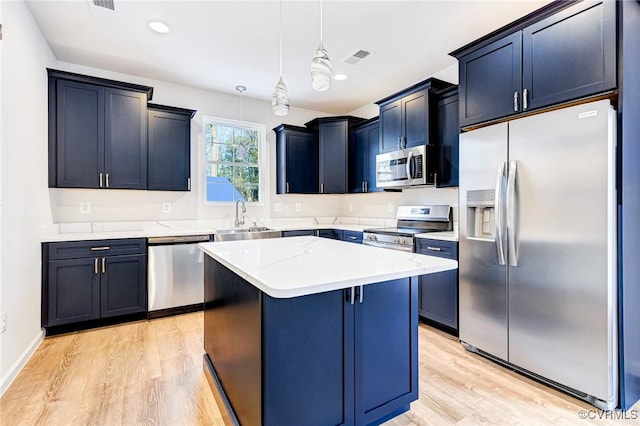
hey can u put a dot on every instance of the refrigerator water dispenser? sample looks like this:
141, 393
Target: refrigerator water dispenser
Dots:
481, 222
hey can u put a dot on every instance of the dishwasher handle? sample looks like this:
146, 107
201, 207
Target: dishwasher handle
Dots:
183, 239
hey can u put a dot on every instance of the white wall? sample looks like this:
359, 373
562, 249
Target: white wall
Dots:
25, 200
122, 205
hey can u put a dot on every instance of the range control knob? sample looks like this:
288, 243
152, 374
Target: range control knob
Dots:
402, 240
372, 237
396, 240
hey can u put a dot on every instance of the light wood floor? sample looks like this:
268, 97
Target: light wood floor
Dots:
150, 372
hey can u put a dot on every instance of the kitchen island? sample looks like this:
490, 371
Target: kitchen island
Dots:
312, 331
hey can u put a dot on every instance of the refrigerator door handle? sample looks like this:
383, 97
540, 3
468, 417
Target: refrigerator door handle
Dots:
511, 213
498, 215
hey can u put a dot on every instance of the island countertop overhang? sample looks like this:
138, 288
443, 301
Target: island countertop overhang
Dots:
300, 266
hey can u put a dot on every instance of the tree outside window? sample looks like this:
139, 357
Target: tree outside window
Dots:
232, 152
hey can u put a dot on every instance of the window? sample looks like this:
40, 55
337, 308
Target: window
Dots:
233, 153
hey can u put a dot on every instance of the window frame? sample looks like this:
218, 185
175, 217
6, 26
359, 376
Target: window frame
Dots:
262, 153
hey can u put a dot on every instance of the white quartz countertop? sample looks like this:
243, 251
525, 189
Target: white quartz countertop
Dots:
299, 266
204, 229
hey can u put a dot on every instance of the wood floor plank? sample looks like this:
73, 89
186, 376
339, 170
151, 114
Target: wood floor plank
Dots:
150, 372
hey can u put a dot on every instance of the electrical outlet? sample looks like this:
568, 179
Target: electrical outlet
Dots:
390, 207
4, 321
350, 207
85, 207
166, 207
298, 207
277, 207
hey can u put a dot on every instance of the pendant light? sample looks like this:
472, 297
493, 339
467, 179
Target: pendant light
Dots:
280, 100
321, 65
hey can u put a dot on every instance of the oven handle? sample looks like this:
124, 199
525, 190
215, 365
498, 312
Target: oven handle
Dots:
388, 246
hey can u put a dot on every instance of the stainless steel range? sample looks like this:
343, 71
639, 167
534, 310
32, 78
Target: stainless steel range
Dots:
411, 220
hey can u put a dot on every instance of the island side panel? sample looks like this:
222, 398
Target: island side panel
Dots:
386, 347
233, 338
308, 360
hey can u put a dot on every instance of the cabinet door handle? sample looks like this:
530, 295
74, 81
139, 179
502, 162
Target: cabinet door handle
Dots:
104, 265
366, 186
100, 248
287, 188
188, 184
95, 266
361, 293
525, 104
100, 179
515, 101
434, 248
404, 142
352, 295
107, 179
322, 188
399, 143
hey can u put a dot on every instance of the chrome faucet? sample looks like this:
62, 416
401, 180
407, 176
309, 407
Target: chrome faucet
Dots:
239, 222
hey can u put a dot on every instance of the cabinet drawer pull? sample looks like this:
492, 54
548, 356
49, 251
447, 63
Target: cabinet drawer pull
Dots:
353, 238
100, 248
515, 101
104, 265
525, 104
434, 248
95, 266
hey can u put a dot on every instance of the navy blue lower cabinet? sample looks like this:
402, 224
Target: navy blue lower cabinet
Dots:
334, 234
352, 237
438, 301
311, 360
299, 233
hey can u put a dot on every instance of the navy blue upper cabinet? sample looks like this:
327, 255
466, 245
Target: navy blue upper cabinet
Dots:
97, 132
333, 148
365, 145
408, 118
448, 138
296, 160
490, 81
169, 148
569, 55
554, 55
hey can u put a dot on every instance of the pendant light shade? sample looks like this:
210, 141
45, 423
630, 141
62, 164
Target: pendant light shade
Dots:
321, 65
321, 70
280, 99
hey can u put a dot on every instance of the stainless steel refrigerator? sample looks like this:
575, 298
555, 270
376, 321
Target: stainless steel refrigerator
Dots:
537, 261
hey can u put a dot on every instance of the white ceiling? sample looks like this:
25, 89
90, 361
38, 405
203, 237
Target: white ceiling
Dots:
216, 45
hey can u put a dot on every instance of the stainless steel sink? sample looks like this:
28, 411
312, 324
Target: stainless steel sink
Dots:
253, 233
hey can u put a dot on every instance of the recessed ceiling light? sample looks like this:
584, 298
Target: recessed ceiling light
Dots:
159, 27
340, 77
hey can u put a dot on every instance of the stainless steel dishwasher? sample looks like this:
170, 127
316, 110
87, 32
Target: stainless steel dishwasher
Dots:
175, 275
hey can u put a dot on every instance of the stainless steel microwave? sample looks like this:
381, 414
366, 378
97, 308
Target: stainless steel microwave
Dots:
403, 168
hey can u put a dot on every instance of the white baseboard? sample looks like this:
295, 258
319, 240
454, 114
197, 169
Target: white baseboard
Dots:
17, 366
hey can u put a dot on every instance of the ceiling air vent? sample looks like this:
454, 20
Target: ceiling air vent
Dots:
107, 4
357, 56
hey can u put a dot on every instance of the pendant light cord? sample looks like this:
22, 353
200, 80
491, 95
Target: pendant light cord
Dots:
280, 38
320, 21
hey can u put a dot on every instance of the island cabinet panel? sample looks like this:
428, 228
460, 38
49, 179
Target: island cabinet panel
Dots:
386, 375
342, 357
308, 360
558, 56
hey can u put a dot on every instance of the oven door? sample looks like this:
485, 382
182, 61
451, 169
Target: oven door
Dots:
406, 167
